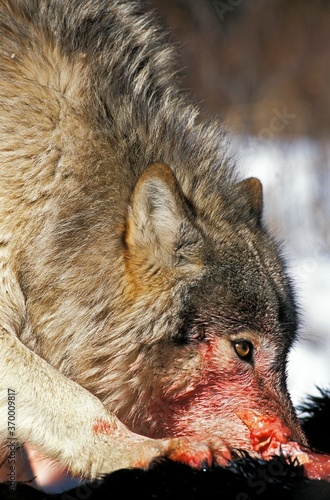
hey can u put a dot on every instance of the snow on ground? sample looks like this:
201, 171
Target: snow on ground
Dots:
296, 180
309, 364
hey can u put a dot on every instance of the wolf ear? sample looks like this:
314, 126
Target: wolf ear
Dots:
251, 190
159, 226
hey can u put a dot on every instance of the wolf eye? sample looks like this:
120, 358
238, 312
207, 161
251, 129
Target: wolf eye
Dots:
243, 349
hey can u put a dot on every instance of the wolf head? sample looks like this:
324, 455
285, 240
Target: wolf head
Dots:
210, 311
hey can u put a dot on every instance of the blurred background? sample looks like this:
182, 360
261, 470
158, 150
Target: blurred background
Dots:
264, 67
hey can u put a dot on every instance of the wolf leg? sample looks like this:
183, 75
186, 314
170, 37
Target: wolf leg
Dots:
39, 405
62, 419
